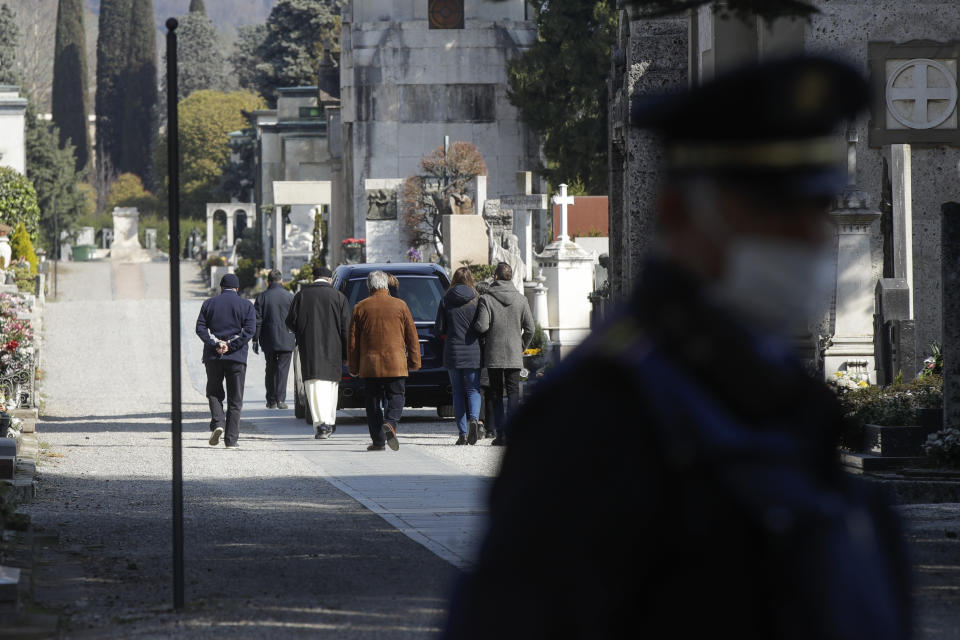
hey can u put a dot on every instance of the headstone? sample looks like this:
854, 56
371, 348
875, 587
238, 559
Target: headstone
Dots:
465, 241
902, 217
8, 458
13, 148
950, 265
126, 243
6, 252
385, 242
894, 332
852, 349
150, 237
87, 236
568, 270
525, 206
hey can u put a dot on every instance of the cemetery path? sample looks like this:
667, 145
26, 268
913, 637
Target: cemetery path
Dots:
282, 538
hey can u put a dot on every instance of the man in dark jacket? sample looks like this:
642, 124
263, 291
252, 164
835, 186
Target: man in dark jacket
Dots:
506, 324
226, 324
708, 498
277, 342
320, 318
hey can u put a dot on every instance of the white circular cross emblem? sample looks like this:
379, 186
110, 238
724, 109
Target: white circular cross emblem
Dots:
914, 85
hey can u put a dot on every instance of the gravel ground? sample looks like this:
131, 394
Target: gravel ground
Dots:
270, 549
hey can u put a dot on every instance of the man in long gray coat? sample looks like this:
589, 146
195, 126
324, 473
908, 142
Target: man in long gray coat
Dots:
320, 317
506, 324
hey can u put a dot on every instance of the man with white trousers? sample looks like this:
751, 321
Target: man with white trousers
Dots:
320, 318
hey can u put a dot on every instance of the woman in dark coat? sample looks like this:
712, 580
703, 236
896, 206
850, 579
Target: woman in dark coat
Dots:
320, 318
461, 351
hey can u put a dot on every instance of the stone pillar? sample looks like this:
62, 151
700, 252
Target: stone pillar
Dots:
278, 237
901, 187
950, 274
481, 195
651, 56
230, 222
209, 232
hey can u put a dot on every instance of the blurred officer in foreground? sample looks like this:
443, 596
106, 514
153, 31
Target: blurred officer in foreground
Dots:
708, 498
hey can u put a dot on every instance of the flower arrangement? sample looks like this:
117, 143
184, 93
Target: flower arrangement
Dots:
943, 447
532, 352
353, 243
847, 381
16, 340
413, 255
933, 365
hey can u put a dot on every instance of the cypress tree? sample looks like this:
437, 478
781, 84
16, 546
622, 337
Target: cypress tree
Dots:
112, 47
139, 123
69, 95
9, 38
200, 62
196, 6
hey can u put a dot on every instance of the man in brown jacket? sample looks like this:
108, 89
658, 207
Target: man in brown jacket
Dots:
383, 349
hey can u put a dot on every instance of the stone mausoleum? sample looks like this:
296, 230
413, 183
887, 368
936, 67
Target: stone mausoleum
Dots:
412, 72
906, 148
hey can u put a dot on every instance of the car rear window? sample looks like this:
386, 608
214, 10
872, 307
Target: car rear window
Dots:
421, 293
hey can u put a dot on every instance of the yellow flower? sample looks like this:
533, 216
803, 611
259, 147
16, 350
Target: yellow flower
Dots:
532, 352
839, 374
863, 383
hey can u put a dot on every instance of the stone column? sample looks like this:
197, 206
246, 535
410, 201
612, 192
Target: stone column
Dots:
209, 232
950, 274
651, 56
902, 180
278, 237
229, 228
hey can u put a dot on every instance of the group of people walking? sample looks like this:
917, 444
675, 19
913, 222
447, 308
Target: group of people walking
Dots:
484, 335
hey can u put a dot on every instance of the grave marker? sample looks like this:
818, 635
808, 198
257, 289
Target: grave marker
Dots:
523, 206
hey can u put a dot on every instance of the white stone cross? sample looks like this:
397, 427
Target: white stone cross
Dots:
563, 200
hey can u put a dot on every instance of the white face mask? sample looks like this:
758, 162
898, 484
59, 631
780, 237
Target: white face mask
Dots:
778, 285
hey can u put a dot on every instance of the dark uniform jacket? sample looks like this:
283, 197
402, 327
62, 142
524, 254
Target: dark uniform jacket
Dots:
320, 318
455, 316
677, 477
272, 306
226, 317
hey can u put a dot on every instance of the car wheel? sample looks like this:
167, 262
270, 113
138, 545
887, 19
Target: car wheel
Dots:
445, 411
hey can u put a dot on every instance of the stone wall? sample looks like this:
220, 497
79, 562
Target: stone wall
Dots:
405, 86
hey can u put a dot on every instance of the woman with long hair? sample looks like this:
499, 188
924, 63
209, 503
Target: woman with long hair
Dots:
461, 351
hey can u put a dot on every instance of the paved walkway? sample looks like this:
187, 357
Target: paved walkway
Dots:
433, 501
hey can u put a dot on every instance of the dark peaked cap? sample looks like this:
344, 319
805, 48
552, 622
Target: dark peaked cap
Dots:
776, 120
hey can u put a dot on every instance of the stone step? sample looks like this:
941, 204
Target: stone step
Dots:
860, 462
896, 442
9, 584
